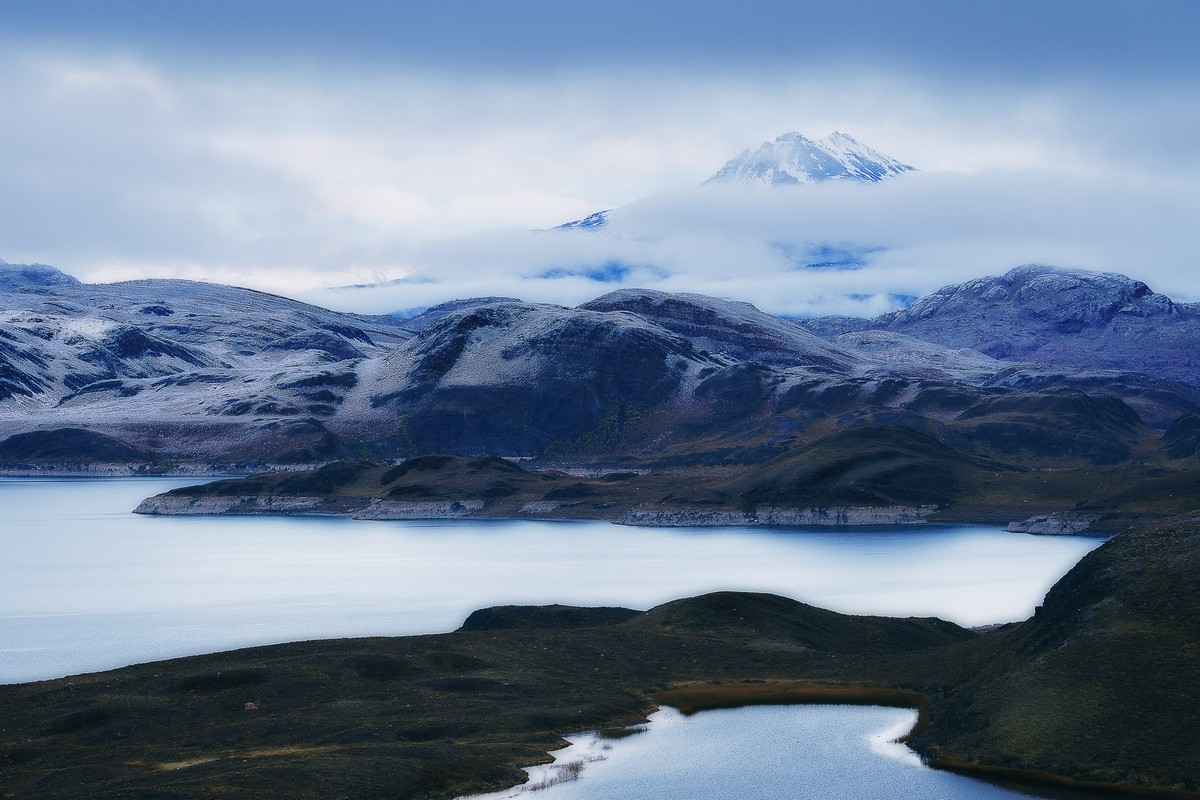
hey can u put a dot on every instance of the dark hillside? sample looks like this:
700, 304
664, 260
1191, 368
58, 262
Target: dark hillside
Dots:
418, 717
874, 465
1099, 686
1102, 683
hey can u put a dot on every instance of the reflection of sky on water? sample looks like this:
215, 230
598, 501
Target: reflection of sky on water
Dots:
759, 753
86, 585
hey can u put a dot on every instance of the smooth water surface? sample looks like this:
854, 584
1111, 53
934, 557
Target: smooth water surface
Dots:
87, 585
756, 753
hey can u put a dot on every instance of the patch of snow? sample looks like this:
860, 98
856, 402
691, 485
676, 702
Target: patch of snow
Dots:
793, 159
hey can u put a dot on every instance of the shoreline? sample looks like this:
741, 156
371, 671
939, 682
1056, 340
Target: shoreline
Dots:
476, 509
707, 697
695, 698
555, 511
455, 487
456, 667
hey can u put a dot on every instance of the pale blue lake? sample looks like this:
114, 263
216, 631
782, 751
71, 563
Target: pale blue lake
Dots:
87, 585
759, 753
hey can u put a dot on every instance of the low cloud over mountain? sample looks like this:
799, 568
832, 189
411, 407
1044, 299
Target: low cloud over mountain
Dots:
835, 247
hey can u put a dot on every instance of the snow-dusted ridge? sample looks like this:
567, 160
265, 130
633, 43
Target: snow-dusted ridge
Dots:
186, 374
794, 159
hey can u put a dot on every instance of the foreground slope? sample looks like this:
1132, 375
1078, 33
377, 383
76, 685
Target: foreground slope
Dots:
1101, 684
428, 716
1098, 687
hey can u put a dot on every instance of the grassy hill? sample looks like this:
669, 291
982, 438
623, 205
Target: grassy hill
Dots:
1099, 686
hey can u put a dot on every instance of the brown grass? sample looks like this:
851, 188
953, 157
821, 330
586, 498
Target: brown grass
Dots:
703, 697
261, 752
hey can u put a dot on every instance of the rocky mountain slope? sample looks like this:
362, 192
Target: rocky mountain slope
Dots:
182, 369
1042, 314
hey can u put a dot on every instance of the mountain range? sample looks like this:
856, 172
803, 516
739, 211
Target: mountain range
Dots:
1037, 368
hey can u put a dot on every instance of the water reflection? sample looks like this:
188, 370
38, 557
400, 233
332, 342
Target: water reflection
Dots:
756, 753
86, 585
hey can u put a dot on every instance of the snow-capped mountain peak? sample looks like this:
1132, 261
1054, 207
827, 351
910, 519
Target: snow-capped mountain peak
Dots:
794, 158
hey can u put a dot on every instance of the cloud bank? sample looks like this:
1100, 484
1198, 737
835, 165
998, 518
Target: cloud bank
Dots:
827, 248
367, 142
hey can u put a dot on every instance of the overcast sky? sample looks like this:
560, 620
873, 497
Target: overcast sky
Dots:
296, 146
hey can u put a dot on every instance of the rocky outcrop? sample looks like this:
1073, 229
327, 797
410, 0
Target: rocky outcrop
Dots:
653, 516
419, 509
772, 515
179, 505
541, 507
845, 515
1061, 524
184, 505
